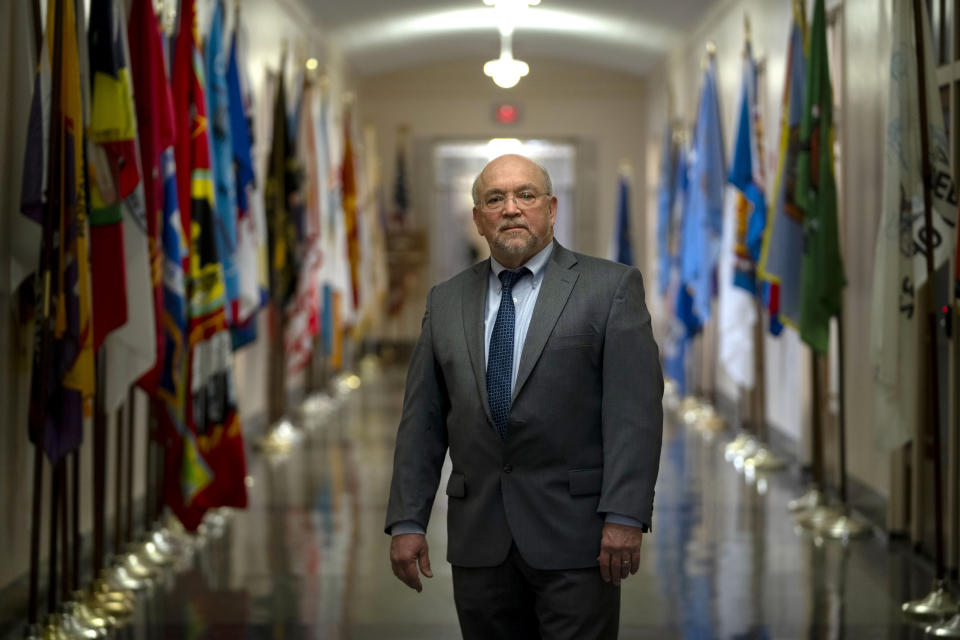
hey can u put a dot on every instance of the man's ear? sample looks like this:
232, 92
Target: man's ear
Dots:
476, 220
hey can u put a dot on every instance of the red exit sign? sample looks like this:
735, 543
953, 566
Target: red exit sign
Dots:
506, 113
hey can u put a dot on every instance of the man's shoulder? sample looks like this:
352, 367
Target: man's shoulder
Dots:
457, 282
593, 266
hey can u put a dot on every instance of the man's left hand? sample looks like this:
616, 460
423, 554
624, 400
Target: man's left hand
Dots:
619, 552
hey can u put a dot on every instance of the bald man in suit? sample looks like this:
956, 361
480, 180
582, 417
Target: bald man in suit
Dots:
538, 371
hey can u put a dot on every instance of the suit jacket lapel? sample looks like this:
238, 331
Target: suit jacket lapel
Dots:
474, 309
558, 281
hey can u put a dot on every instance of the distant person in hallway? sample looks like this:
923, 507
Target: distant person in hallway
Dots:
538, 370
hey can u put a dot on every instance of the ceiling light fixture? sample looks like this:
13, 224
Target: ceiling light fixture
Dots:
506, 70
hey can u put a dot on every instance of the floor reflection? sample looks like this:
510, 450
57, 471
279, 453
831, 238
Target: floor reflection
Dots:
308, 559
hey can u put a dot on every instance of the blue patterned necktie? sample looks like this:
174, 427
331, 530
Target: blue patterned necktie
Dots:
500, 358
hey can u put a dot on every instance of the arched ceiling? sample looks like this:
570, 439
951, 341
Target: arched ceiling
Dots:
378, 36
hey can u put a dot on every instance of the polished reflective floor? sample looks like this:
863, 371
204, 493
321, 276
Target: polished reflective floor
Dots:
308, 559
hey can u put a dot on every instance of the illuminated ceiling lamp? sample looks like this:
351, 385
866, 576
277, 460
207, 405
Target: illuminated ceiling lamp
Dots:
506, 70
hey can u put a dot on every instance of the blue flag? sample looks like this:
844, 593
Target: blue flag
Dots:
703, 220
221, 145
746, 176
251, 296
683, 324
782, 254
621, 251
665, 193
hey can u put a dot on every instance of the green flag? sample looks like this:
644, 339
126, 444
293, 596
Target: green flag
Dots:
822, 271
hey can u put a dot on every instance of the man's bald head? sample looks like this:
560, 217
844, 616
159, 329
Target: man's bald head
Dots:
547, 182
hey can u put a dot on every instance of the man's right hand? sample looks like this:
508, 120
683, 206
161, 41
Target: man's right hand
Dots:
407, 552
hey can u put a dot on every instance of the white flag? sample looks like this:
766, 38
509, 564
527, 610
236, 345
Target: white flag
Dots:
736, 308
900, 264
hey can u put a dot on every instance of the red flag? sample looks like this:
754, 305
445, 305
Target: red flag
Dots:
211, 404
154, 106
113, 168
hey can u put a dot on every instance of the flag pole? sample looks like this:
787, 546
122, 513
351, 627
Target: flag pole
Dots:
99, 469
939, 602
843, 527
149, 471
65, 550
43, 287
55, 495
812, 508
118, 485
75, 523
934, 382
131, 417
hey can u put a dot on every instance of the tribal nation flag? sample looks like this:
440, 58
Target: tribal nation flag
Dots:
822, 278
221, 146
303, 314
122, 281
665, 194
683, 323
900, 261
746, 175
620, 248
53, 195
154, 113
781, 257
703, 217
742, 237
113, 169
350, 211
401, 197
249, 235
154, 103
396, 288
211, 402
281, 230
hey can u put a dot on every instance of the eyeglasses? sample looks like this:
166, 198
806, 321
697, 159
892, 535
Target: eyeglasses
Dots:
497, 202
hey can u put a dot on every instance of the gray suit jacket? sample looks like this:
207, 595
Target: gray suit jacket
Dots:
585, 423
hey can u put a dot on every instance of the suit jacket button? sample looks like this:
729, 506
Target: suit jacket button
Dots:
507, 468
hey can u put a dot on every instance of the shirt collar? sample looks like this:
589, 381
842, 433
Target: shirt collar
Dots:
536, 264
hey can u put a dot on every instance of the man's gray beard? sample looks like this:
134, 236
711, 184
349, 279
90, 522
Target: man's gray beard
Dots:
517, 250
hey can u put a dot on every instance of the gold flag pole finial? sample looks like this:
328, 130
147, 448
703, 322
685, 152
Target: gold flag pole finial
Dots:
799, 10
746, 31
709, 55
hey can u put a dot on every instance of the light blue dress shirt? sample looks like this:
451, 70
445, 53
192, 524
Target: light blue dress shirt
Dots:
525, 292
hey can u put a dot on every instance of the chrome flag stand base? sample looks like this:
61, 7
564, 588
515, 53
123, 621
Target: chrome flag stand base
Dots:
936, 605
690, 410
764, 460
280, 439
845, 528
818, 518
73, 627
811, 499
734, 447
948, 629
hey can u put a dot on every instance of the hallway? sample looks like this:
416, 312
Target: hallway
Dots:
308, 559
